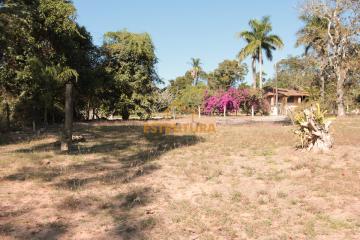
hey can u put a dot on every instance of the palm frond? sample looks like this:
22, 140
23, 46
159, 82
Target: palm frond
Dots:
274, 40
68, 74
254, 25
249, 50
313, 34
265, 26
247, 36
268, 53
195, 62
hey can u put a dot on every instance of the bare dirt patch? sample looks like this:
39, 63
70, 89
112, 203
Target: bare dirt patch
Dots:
242, 182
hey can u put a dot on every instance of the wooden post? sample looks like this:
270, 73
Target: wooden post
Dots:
199, 110
67, 133
277, 90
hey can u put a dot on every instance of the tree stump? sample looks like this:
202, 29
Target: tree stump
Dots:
313, 130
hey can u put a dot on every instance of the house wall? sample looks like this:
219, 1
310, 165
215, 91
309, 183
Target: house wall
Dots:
285, 102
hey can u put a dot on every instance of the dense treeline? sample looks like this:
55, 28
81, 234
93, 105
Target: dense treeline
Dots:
42, 48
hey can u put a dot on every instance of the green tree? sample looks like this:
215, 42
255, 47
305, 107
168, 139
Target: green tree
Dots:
180, 83
296, 72
228, 74
259, 39
190, 99
41, 47
130, 60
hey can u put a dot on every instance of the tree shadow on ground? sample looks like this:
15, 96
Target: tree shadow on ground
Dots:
131, 223
49, 231
114, 155
27, 134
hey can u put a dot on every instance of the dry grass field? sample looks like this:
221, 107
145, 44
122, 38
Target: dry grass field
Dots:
242, 182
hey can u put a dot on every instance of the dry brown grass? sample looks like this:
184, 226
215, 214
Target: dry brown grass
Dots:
242, 182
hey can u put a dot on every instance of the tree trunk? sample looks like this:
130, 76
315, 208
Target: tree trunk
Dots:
97, 116
88, 111
225, 111
252, 111
46, 116
322, 88
53, 114
34, 113
196, 78
125, 114
260, 68
199, 111
67, 134
340, 93
93, 114
253, 67
7, 111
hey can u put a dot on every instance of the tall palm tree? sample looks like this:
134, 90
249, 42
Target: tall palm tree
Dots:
259, 39
196, 69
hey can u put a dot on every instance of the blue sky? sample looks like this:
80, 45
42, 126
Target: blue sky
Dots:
183, 29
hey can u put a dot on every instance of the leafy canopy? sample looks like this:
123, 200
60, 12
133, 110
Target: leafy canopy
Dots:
228, 74
130, 60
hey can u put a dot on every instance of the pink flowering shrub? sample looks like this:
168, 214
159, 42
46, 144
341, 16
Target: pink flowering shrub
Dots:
210, 104
234, 100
